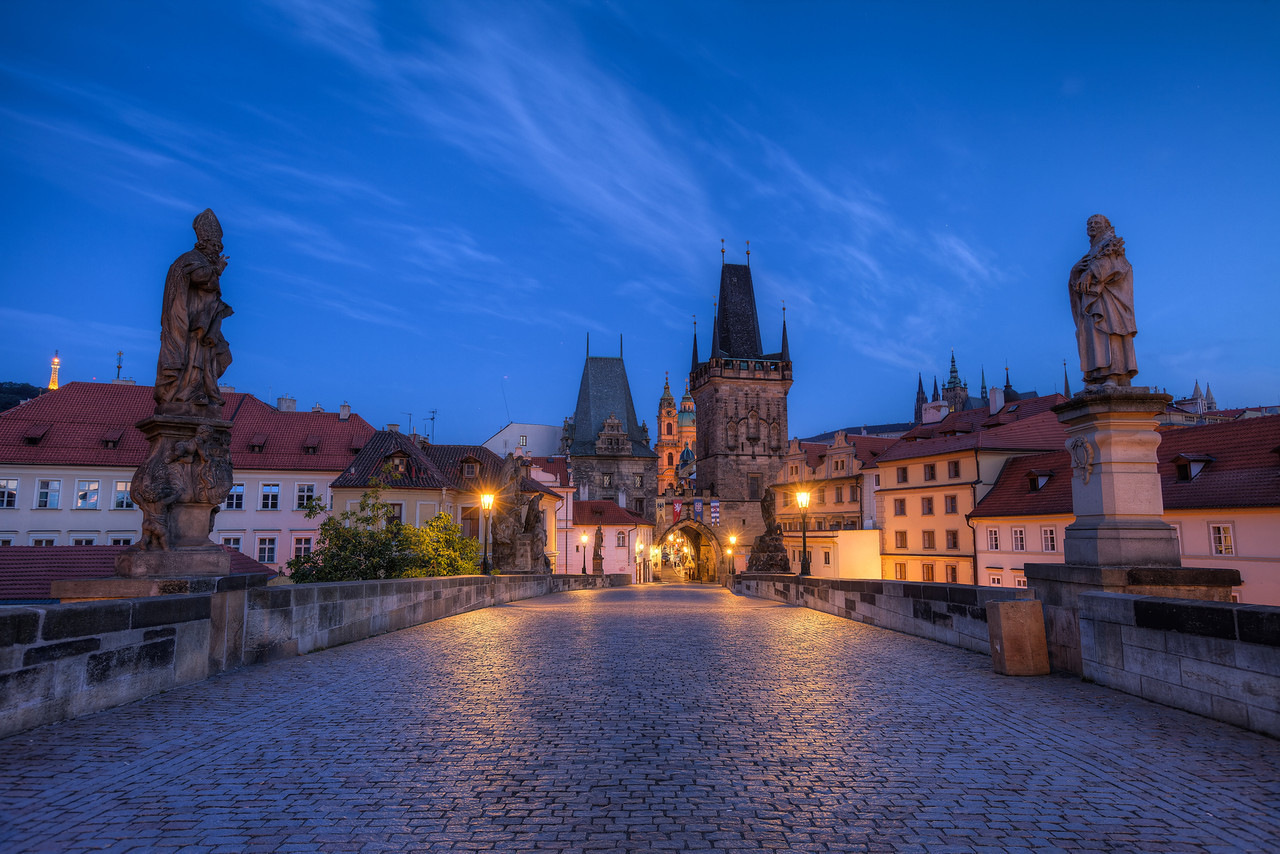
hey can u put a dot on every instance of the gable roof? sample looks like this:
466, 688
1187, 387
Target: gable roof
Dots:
604, 513
1244, 472
427, 466
1024, 425
603, 392
26, 572
92, 424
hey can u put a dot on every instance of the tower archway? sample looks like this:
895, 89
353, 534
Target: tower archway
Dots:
692, 552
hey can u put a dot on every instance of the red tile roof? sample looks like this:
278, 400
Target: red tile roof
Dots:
427, 466
81, 421
1035, 428
26, 572
605, 513
557, 467
1245, 472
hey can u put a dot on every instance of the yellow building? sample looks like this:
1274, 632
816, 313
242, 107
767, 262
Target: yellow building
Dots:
932, 478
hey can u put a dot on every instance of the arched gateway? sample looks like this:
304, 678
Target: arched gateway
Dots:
692, 551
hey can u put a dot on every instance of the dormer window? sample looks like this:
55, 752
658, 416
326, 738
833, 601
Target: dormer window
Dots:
257, 443
111, 439
1037, 478
1187, 466
311, 446
35, 433
468, 469
399, 465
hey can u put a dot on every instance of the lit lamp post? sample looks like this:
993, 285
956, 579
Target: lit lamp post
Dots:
653, 560
733, 541
584, 554
802, 501
486, 504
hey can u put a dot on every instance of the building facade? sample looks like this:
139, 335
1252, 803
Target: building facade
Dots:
67, 460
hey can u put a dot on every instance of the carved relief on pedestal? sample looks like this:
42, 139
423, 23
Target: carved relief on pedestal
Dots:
1082, 456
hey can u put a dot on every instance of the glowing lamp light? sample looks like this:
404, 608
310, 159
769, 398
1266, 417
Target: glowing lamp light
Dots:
802, 500
733, 540
486, 501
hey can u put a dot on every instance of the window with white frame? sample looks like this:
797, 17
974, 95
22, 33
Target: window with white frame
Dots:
899, 506
83, 541
266, 549
306, 494
927, 540
876, 480
926, 505
993, 539
301, 546
826, 557
902, 474
123, 500
928, 571
44, 542
6, 541
949, 505
900, 571
837, 465
899, 539
231, 542
1222, 539
235, 498
122, 541
953, 469
930, 471
524, 441
48, 493
620, 539
1018, 537
1020, 582
87, 494
839, 495
951, 573
1049, 539
953, 539
270, 497
995, 581
8, 492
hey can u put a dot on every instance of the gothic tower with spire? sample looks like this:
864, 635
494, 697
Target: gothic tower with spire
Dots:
668, 445
740, 402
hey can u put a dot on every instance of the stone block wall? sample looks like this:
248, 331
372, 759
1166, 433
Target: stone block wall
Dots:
954, 614
61, 661
1217, 659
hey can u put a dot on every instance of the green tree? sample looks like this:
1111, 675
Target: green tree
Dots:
369, 542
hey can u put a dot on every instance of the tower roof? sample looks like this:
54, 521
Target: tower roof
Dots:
737, 328
667, 399
605, 392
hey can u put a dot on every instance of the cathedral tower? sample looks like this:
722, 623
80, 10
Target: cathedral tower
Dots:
668, 446
53, 371
740, 407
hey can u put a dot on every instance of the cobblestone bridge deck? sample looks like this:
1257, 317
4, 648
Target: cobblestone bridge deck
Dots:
644, 718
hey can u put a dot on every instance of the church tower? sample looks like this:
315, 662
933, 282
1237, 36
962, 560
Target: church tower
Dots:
53, 371
740, 407
668, 446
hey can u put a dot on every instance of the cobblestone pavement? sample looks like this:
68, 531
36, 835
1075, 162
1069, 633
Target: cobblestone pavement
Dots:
649, 718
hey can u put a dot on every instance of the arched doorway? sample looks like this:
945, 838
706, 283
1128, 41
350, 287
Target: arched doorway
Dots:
691, 551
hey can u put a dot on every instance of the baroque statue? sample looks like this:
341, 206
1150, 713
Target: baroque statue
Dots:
193, 352
1101, 291
768, 554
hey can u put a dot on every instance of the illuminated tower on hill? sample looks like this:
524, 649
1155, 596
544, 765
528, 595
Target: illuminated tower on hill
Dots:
53, 371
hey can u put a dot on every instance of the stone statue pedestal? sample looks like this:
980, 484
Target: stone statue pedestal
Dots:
180, 486
1115, 488
1119, 542
597, 566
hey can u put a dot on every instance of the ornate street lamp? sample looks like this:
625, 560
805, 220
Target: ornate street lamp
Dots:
584, 554
486, 504
733, 541
802, 501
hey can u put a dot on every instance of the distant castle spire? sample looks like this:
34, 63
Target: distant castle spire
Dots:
53, 371
1066, 381
921, 400
694, 367
1210, 405
786, 349
936, 397
983, 392
716, 353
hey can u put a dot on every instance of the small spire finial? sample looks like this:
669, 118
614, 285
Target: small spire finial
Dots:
748, 253
722, 251
119, 362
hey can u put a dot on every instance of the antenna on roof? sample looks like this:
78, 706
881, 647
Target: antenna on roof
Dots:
748, 253
119, 362
432, 419
410, 414
588, 345
722, 252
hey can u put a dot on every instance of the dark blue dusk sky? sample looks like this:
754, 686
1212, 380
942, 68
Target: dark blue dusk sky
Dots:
428, 204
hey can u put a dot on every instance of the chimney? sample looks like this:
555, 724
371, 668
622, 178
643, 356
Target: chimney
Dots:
317, 407
934, 411
286, 404
996, 398
344, 411
393, 428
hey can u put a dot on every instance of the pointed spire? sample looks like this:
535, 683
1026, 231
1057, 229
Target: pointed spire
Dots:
722, 252
936, 397
53, 371
1210, 404
1008, 386
716, 352
695, 345
748, 253
619, 345
1196, 393
786, 348
1066, 381
921, 400
983, 392
954, 379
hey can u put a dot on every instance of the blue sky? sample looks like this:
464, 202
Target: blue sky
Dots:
431, 205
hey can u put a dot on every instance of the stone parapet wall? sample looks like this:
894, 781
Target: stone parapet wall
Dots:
954, 614
1217, 659
61, 661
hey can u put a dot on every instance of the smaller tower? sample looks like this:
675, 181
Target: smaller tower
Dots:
668, 445
53, 371
917, 415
